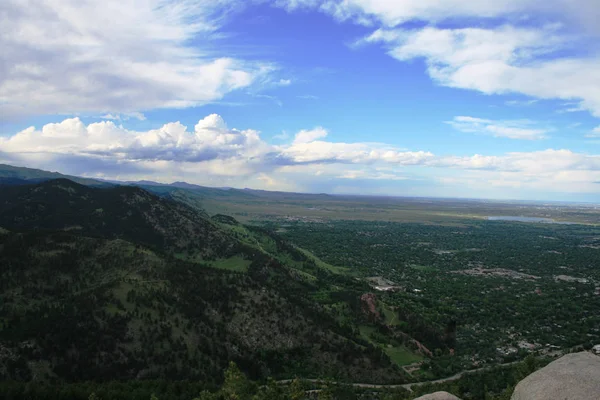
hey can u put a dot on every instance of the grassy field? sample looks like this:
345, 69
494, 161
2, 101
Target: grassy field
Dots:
322, 264
366, 331
401, 355
390, 316
236, 263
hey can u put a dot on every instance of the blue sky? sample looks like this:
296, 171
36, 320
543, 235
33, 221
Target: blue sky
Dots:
444, 98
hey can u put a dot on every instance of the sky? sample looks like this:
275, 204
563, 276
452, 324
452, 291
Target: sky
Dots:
444, 98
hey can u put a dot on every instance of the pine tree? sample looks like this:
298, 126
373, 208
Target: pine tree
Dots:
236, 386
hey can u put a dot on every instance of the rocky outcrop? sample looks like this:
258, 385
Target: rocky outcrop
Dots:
574, 376
438, 396
369, 306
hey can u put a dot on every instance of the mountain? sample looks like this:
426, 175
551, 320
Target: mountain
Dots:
120, 283
11, 175
123, 212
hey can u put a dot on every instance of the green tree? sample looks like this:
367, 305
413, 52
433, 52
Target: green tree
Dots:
326, 393
206, 395
271, 391
237, 386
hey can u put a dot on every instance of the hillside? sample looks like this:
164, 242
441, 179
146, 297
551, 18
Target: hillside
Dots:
11, 175
117, 212
118, 283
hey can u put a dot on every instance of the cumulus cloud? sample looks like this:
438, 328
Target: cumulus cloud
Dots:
210, 140
117, 56
212, 153
509, 129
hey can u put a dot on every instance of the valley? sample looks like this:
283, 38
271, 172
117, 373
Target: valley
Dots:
370, 297
500, 290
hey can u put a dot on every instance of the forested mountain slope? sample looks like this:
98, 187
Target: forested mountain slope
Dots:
118, 283
117, 212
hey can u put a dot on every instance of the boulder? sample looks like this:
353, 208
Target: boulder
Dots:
574, 376
438, 396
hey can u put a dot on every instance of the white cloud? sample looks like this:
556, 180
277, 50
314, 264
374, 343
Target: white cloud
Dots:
351, 153
548, 161
500, 60
307, 136
282, 136
518, 56
509, 129
595, 133
124, 117
274, 99
521, 103
214, 154
583, 13
369, 174
394, 13
117, 56
210, 140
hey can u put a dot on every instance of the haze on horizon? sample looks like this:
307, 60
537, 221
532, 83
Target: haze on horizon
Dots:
444, 98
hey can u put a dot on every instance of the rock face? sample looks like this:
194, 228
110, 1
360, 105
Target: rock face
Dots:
369, 306
572, 377
438, 396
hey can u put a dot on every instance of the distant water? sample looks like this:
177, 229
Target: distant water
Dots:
528, 219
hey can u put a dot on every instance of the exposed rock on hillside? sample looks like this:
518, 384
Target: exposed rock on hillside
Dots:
572, 377
438, 396
369, 306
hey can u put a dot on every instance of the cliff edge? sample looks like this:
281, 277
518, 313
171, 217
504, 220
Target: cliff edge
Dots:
574, 376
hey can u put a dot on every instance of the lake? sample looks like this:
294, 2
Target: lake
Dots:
515, 218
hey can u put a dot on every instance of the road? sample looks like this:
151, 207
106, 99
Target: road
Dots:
407, 386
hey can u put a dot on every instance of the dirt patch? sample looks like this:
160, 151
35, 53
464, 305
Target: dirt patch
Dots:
383, 285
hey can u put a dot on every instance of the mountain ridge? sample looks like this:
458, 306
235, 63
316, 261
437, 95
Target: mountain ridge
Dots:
165, 291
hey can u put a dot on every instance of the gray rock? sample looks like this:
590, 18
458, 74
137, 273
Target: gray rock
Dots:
572, 377
438, 396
